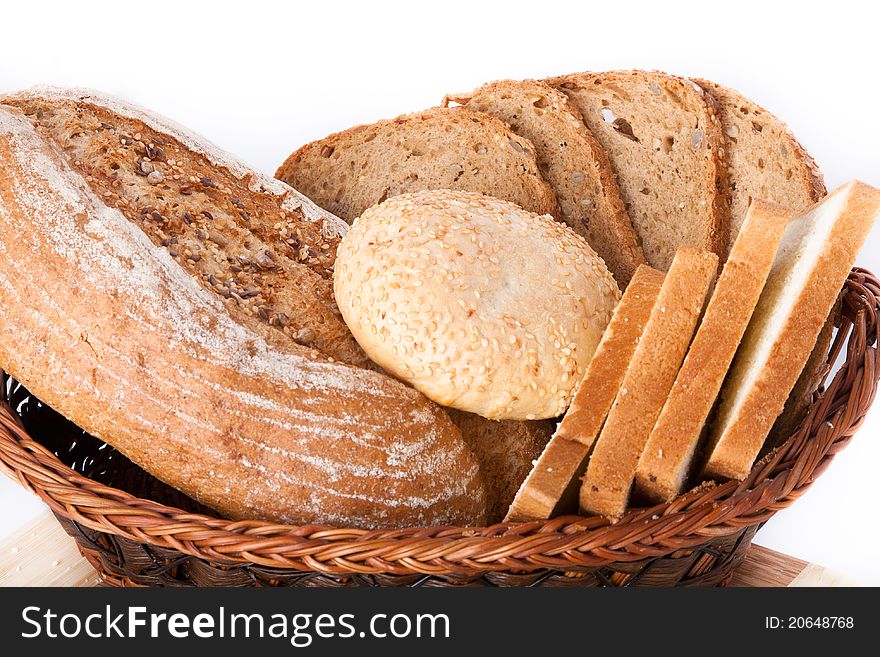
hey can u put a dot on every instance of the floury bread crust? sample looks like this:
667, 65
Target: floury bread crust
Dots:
475, 302
665, 143
113, 332
438, 148
571, 161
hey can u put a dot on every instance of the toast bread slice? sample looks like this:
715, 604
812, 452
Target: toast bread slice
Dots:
815, 256
664, 465
571, 161
552, 485
646, 384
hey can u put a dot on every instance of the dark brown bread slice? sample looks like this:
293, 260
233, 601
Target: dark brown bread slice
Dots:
506, 451
665, 144
764, 159
552, 485
439, 148
571, 161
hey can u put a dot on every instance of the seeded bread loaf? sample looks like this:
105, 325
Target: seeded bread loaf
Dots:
552, 485
815, 256
107, 315
764, 160
506, 450
439, 148
649, 376
571, 161
666, 461
665, 144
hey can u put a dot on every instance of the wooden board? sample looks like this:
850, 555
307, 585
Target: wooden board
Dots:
42, 554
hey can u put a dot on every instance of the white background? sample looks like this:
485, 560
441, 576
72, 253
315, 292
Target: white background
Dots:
262, 78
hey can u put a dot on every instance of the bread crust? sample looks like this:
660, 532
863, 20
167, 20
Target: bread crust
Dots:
649, 376
669, 452
735, 446
552, 485
702, 212
240, 418
571, 160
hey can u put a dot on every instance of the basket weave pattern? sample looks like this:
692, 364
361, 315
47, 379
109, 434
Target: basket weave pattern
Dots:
137, 531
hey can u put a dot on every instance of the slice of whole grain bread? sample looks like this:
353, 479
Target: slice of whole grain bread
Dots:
665, 144
571, 161
438, 148
764, 159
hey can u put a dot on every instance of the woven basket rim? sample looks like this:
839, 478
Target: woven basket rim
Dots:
563, 542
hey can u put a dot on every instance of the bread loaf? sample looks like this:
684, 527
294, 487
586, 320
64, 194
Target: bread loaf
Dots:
571, 161
109, 319
438, 148
665, 144
815, 256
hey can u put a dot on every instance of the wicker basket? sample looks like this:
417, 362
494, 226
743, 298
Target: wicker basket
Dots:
136, 531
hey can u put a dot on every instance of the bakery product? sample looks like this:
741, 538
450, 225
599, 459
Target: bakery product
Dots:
441, 147
551, 487
271, 261
649, 376
665, 144
506, 450
571, 161
764, 160
213, 400
666, 461
813, 261
477, 303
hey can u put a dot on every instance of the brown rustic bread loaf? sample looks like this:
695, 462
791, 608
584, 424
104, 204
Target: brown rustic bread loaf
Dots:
439, 148
764, 160
646, 384
665, 144
109, 320
666, 461
817, 251
571, 161
552, 485
506, 451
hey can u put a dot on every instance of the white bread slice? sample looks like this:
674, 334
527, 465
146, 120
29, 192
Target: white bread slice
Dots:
664, 465
649, 376
814, 258
552, 485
